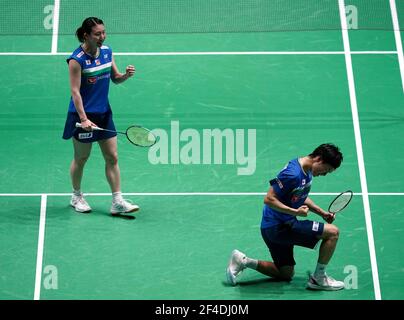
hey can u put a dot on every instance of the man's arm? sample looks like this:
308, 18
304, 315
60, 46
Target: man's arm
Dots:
318, 210
274, 203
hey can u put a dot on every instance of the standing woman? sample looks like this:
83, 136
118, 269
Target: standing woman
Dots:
91, 66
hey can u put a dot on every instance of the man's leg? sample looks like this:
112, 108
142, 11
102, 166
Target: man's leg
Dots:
319, 280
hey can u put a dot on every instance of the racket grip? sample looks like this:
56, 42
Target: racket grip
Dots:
78, 125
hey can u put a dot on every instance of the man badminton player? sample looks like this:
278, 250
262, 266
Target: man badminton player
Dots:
287, 199
91, 67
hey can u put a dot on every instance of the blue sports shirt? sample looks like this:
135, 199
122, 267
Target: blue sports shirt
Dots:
292, 186
95, 76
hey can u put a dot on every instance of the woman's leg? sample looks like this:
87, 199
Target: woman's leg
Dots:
109, 149
81, 154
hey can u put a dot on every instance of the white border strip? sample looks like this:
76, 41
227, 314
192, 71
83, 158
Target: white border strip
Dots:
247, 53
175, 194
39, 255
55, 27
397, 36
359, 150
241, 53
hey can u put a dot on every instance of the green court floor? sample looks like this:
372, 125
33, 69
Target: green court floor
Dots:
295, 97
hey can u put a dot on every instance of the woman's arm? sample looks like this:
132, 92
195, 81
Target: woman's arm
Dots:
118, 77
75, 82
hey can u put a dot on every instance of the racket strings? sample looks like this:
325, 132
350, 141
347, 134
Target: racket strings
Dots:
340, 202
140, 136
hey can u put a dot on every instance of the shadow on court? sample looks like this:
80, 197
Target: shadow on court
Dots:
270, 288
123, 216
100, 212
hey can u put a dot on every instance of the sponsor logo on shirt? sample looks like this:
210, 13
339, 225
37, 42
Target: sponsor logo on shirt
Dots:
301, 192
92, 80
279, 183
88, 62
104, 76
80, 54
97, 62
295, 198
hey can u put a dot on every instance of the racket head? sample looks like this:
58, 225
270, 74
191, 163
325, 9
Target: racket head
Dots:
140, 136
340, 202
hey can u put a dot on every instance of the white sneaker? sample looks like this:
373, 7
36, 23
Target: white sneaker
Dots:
235, 267
324, 283
123, 206
80, 204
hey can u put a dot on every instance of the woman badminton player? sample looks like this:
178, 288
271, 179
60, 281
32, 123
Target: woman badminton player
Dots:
91, 67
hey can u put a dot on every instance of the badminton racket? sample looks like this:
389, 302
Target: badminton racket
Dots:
137, 135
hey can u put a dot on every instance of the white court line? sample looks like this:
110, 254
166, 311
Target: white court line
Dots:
175, 194
55, 27
204, 53
39, 255
359, 149
42, 219
397, 36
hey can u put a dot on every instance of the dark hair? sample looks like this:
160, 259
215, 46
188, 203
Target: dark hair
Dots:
86, 27
329, 153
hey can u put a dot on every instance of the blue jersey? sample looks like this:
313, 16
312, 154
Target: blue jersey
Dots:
95, 76
292, 187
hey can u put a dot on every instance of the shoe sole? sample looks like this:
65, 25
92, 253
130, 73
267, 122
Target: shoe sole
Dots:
86, 211
230, 278
311, 286
123, 212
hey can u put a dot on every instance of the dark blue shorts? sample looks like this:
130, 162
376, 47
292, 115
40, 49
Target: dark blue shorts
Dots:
102, 120
281, 239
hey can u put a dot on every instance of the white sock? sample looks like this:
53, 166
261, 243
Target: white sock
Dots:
77, 193
116, 196
320, 270
251, 263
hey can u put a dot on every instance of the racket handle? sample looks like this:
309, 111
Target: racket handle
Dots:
78, 125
